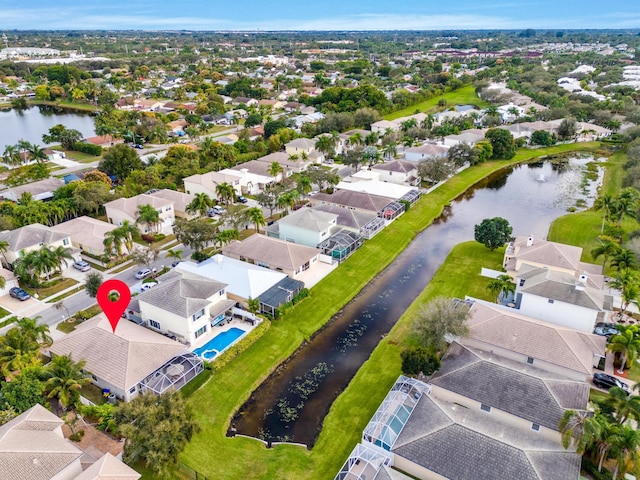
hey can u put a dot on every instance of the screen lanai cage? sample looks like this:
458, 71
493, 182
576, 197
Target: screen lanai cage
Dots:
364, 463
174, 374
394, 411
341, 244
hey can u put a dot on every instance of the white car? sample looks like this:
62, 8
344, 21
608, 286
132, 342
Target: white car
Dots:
144, 273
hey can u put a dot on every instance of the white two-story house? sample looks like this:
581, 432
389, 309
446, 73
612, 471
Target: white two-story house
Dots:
185, 305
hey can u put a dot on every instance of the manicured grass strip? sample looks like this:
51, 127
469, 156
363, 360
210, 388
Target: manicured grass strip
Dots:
66, 294
4, 313
8, 321
52, 290
215, 403
462, 96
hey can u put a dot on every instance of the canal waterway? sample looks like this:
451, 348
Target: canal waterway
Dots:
291, 404
30, 124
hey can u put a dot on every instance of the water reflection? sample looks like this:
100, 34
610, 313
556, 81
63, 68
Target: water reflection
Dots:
292, 403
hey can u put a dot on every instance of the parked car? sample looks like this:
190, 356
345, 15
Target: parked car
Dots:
242, 199
138, 146
605, 329
82, 266
144, 273
218, 210
20, 294
605, 381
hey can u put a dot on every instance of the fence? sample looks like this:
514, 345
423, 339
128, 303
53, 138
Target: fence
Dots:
191, 472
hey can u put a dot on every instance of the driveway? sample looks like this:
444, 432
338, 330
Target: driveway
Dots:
27, 308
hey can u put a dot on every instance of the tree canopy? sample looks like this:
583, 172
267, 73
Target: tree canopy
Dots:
493, 232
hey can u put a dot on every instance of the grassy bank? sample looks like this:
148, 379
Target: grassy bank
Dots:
216, 402
582, 228
462, 96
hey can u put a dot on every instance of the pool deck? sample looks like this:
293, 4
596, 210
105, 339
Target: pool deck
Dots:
241, 324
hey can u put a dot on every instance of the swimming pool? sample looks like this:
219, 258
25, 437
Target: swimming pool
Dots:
219, 343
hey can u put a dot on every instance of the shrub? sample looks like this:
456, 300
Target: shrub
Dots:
199, 256
87, 148
147, 237
419, 359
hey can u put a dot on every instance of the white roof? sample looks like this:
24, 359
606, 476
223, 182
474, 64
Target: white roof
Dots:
244, 280
382, 189
85, 231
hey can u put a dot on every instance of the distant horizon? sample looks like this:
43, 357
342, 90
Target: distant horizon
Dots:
326, 16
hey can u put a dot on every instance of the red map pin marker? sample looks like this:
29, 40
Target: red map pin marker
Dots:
113, 309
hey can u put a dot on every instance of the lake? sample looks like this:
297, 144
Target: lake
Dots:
30, 124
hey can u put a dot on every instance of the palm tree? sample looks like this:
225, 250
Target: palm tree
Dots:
324, 144
628, 283
225, 237
304, 185
254, 215
624, 405
578, 428
627, 344
175, 254
225, 192
37, 153
61, 255
606, 249
64, 380
606, 203
17, 351
11, 155
4, 246
606, 435
624, 259
39, 333
125, 234
501, 286
625, 445
148, 216
274, 169
390, 150
287, 200
355, 140
200, 204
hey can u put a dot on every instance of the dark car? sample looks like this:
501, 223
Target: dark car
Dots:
242, 199
602, 380
19, 293
605, 329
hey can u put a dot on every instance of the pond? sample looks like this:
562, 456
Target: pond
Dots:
30, 124
292, 403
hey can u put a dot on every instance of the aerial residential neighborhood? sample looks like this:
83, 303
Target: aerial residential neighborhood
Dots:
391, 244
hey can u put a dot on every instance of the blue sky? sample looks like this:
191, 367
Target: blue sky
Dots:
318, 15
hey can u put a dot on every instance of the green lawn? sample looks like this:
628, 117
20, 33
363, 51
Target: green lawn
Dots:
219, 398
59, 285
583, 228
462, 96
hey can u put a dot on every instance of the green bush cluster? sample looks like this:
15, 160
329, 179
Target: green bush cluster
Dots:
87, 148
419, 359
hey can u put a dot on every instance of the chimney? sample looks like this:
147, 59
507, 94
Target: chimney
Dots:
529, 241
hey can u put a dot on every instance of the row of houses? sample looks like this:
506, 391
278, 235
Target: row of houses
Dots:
493, 408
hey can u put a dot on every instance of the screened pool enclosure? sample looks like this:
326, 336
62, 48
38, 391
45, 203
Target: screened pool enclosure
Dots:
394, 411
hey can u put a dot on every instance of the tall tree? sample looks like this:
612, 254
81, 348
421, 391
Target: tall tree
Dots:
440, 320
200, 204
120, 161
196, 234
64, 379
225, 192
149, 216
256, 217
156, 429
501, 286
493, 232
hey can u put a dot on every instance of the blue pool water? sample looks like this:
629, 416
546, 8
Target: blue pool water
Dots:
218, 343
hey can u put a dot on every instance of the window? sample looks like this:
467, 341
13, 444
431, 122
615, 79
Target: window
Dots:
65, 241
201, 331
535, 427
168, 209
530, 360
154, 324
198, 315
550, 300
132, 390
221, 292
522, 280
485, 408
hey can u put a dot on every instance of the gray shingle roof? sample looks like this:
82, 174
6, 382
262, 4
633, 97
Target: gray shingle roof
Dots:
272, 251
30, 235
563, 287
534, 338
109, 467
182, 293
348, 218
461, 444
348, 198
309, 219
506, 389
